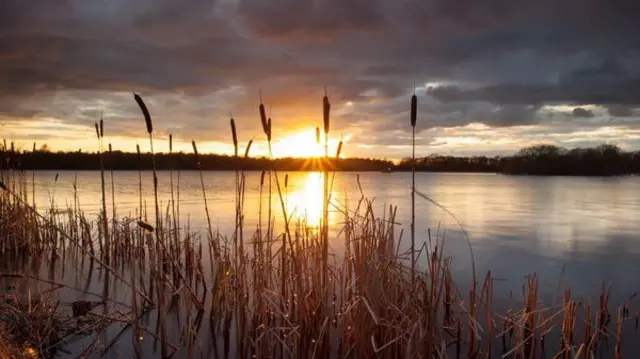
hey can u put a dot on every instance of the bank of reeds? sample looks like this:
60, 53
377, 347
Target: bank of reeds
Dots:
176, 293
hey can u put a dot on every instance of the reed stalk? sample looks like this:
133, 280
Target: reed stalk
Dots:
158, 228
104, 248
414, 111
216, 249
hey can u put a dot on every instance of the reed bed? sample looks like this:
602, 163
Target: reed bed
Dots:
167, 291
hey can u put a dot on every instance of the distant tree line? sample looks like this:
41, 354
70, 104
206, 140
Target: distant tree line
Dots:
438, 163
117, 160
603, 160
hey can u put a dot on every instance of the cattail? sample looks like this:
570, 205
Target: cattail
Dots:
138, 150
286, 180
318, 135
145, 226
34, 147
97, 131
101, 127
195, 150
56, 179
109, 148
339, 149
235, 136
414, 110
145, 112
262, 179
263, 118
170, 143
269, 129
326, 108
246, 152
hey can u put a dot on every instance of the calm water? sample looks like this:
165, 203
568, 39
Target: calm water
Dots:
517, 225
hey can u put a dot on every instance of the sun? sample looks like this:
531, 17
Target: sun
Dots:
303, 143
299, 144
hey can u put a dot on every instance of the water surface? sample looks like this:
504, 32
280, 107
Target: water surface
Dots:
517, 224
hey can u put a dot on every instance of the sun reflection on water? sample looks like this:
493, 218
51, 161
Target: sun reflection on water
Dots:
304, 199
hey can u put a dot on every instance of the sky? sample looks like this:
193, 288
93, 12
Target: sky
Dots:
491, 76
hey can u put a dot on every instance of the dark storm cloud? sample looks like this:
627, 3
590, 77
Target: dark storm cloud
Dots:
581, 112
283, 19
602, 85
495, 62
619, 110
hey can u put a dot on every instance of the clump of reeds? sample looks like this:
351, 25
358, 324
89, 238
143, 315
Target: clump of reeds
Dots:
29, 327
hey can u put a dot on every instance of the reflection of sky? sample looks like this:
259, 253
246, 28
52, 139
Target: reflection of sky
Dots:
518, 225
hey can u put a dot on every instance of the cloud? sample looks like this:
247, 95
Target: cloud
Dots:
581, 112
619, 110
496, 63
601, 85
287, 19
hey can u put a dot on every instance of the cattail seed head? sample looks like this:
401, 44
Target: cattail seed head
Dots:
109, 148
326, 108
101, 128
170, 143
34, 147
195, 150
414, 110
339, 149
286, 180
269, 129
246, 152
97, 131
262, 179
234, 134
138, 151
56, 179
145, 112
263, 118
147, 227
318, 135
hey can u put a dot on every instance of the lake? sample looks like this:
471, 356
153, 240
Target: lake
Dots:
517, 225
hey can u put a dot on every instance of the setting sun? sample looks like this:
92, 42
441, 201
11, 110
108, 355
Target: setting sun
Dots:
303, 144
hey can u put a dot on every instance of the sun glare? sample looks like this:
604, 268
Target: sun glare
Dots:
303, 144
299, 144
